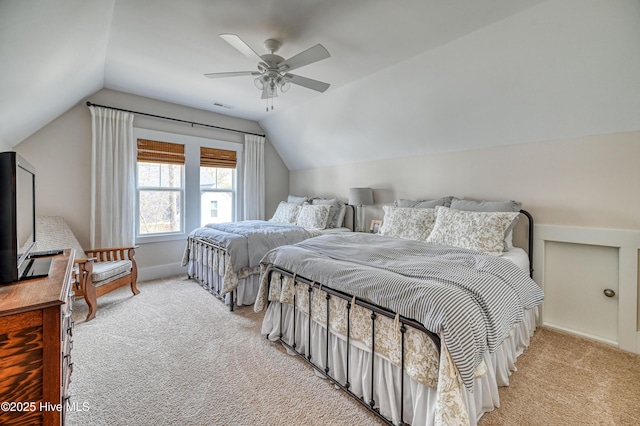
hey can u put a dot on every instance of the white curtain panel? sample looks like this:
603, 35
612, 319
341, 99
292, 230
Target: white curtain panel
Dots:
253, 177
113, 159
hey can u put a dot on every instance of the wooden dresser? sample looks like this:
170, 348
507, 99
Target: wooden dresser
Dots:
35, 346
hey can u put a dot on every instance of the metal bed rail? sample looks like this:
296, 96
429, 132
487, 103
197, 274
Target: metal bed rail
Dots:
375, 311
210, 288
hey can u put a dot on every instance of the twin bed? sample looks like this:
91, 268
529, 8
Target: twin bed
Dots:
418, 333
225, 258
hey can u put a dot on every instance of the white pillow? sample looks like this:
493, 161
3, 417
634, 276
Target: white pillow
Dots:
313, 216
407, 222
480, 231
286, 213
296, 199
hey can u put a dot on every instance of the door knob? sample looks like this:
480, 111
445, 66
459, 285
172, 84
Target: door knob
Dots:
609, 293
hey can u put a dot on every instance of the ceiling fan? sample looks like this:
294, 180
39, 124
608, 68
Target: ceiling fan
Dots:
273, 70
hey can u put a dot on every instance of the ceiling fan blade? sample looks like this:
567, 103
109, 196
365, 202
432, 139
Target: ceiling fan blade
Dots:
309, 83
309, 56
231, 74
241, 46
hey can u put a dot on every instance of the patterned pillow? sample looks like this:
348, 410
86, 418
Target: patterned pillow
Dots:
407, 222
335, 205
313, 217
480, 231
491, 206
286, 213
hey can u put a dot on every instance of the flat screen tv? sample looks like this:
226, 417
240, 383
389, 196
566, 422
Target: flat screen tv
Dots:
17, 217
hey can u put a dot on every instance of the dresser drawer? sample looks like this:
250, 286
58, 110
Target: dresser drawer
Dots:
67, 308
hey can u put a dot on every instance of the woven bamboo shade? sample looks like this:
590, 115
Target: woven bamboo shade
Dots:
160, 152
211, 157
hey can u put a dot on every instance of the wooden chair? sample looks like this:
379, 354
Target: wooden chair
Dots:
97, 271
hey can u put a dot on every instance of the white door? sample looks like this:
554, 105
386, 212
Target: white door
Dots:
576, 278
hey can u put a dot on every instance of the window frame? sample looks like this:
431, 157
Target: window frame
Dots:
180, 189
191, 195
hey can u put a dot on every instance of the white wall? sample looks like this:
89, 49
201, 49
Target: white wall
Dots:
585, 186
61, 153
578, 182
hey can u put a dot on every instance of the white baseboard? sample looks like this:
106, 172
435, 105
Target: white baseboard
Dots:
161, 271
581, 334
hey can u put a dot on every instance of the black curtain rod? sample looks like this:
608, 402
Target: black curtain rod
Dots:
174, 119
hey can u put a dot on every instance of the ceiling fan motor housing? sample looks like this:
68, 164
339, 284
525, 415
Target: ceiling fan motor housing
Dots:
272, 45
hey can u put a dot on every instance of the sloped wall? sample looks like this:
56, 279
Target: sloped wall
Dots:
561, 70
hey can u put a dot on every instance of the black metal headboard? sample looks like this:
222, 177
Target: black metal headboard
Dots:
530, 240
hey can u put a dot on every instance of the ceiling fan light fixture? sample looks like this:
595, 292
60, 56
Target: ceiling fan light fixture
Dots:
273, 90
283, 83
273, 69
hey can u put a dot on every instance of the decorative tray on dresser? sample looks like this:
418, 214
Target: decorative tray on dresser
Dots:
35, 346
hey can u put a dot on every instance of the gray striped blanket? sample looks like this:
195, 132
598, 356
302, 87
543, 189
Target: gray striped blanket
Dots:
472, 300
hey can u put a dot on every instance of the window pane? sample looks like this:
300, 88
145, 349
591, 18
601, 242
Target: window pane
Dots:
171, 176
216, 178
159, 211
148, 174
225, 178
223, 212
159, 175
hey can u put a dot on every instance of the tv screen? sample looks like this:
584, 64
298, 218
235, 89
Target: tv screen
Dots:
25, 228
17, 214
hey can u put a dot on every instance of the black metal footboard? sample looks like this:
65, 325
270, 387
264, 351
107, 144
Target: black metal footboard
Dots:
211, 289
311, 354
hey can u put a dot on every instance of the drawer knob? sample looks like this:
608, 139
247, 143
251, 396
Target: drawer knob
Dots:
609, 292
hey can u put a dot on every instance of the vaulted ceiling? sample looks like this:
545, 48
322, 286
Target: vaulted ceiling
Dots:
408, 71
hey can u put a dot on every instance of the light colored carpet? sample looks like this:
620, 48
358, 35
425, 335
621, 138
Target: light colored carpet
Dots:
175, 355
566, 380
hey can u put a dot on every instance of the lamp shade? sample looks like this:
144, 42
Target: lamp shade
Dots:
361, 196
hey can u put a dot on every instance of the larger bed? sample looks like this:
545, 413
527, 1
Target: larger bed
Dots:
225, 257
420, 332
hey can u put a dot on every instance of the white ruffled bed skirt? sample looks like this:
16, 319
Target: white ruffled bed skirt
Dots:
212, 281
419, 400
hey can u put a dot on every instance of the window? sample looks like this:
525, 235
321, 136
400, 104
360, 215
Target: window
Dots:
160, 187
217, 185
184, 181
